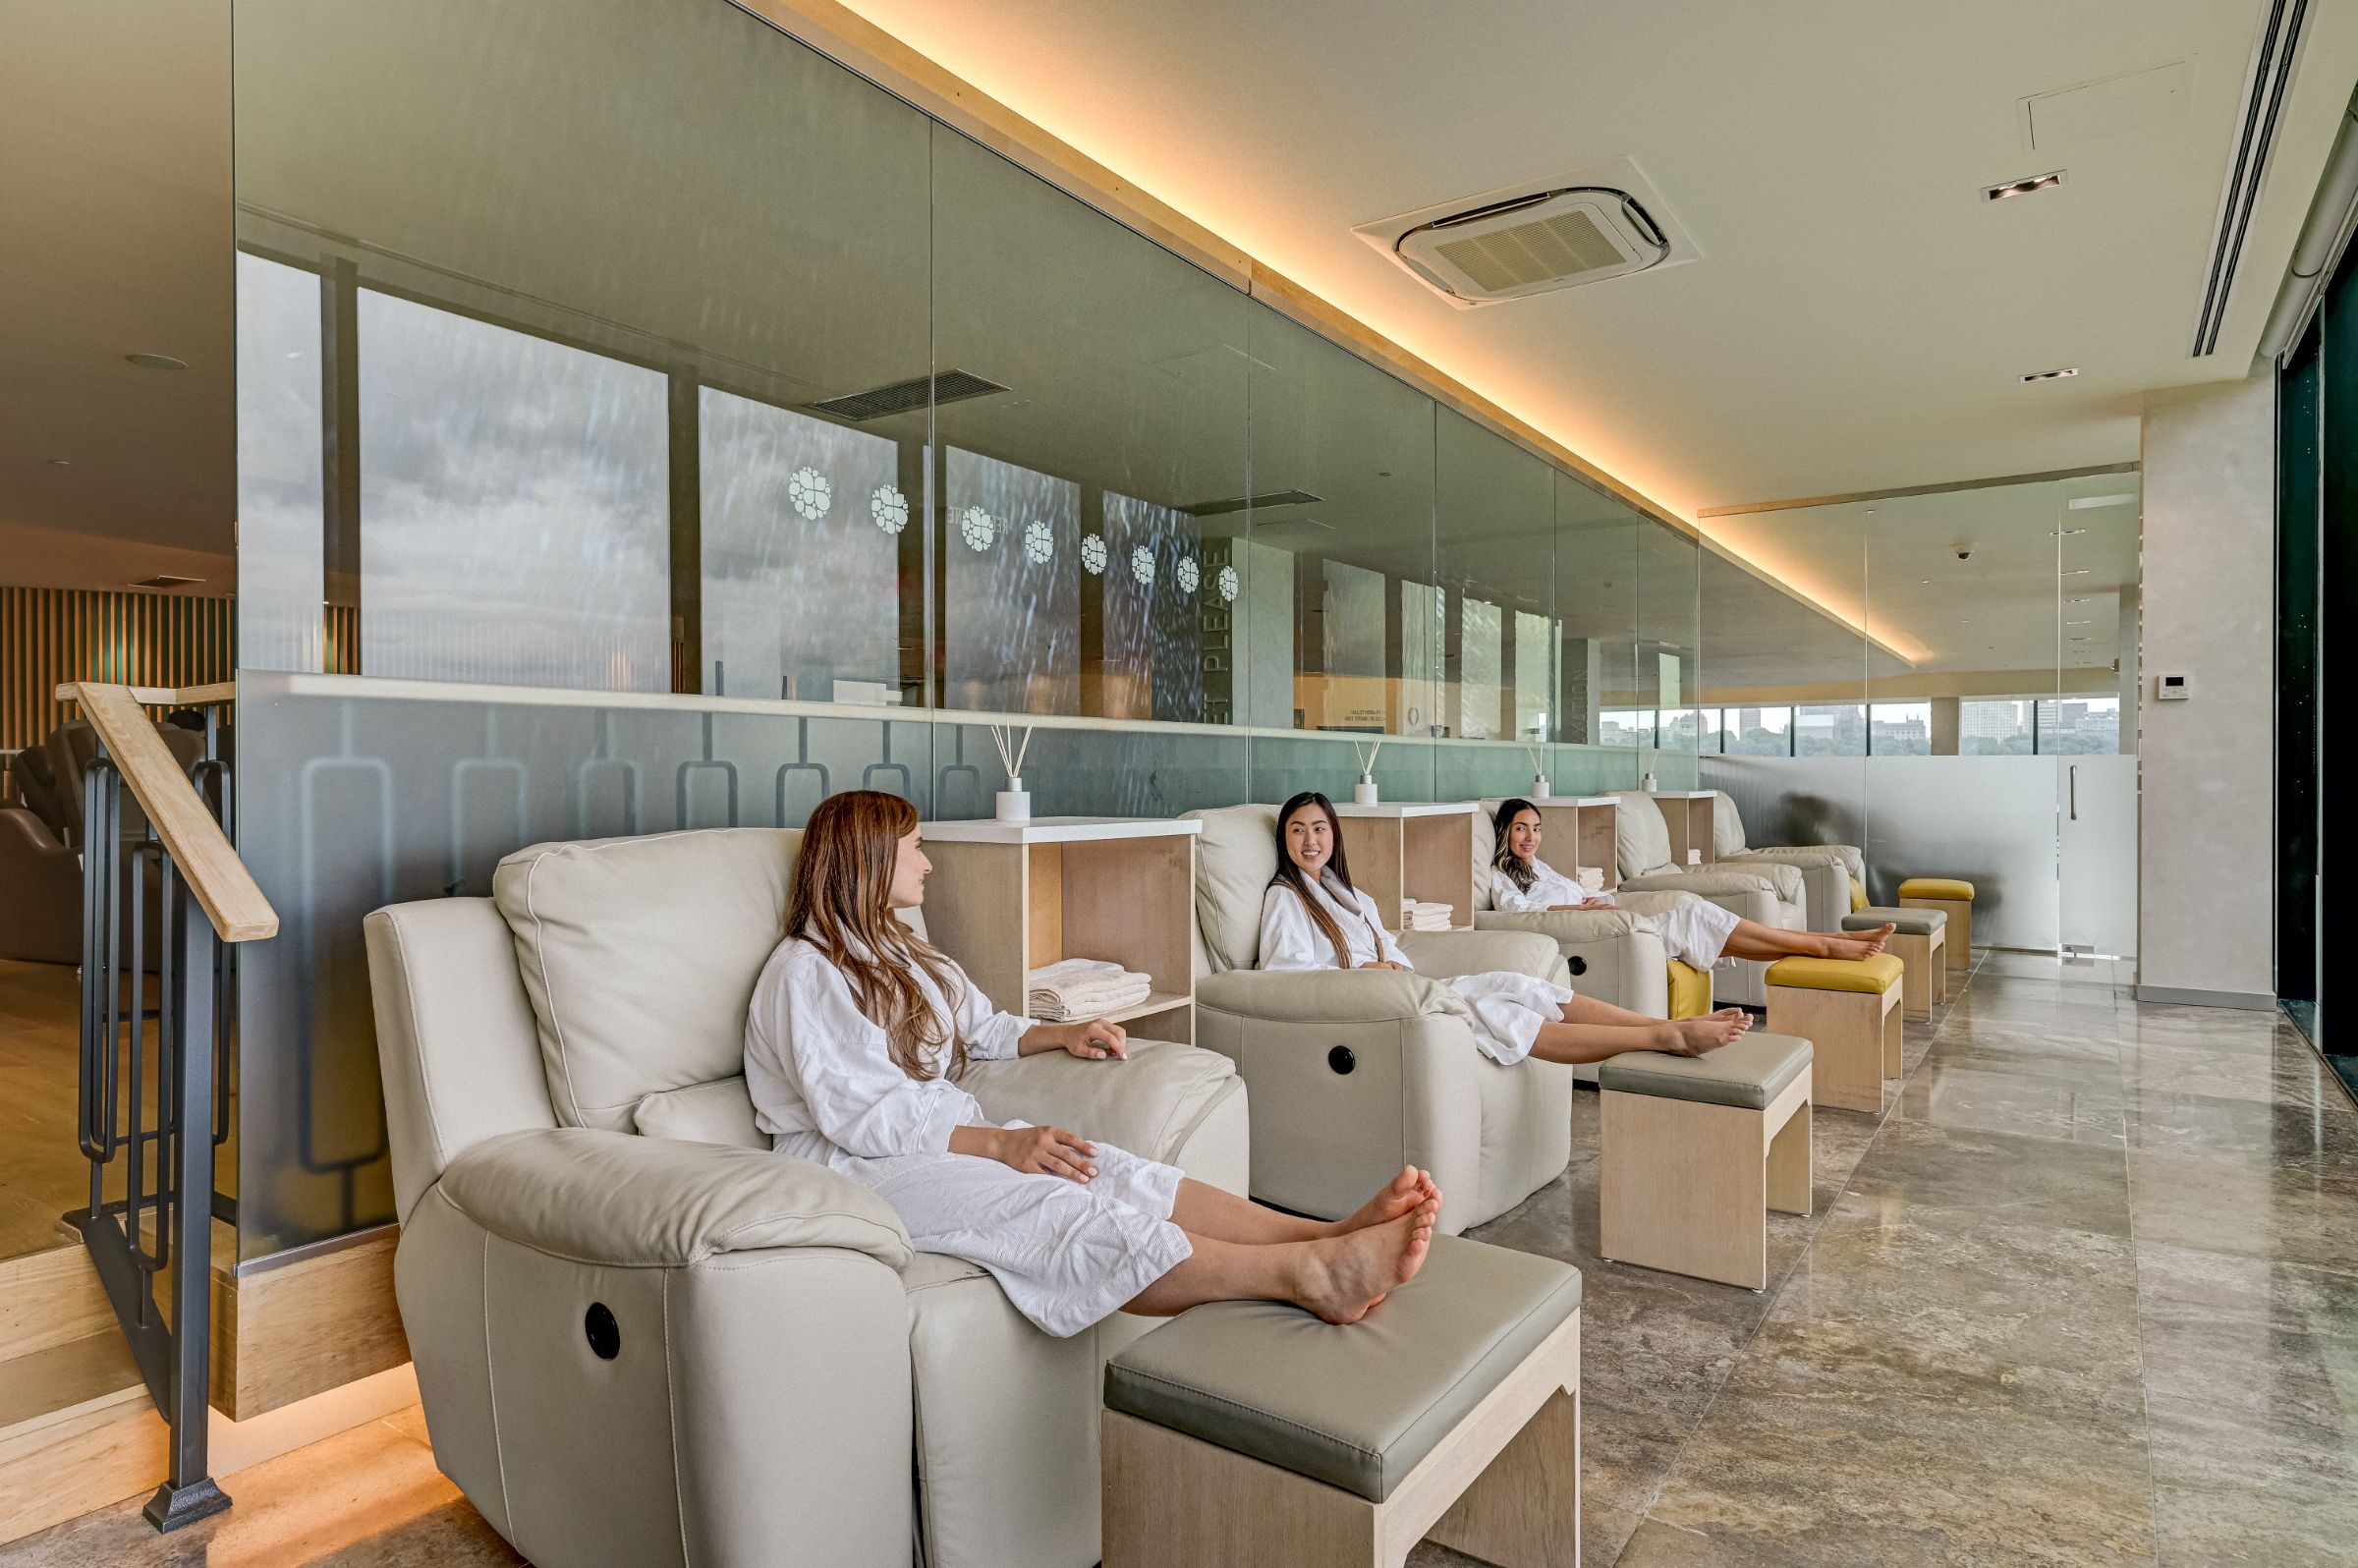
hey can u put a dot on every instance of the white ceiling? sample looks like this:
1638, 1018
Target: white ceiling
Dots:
1860, 319
115, 239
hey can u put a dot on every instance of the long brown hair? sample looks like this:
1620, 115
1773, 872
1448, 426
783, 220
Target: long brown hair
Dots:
1519, 870
842, 905
1289, 875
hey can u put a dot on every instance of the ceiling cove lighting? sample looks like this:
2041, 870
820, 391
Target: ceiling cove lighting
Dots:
2086, 502
2015, 187
2053, 376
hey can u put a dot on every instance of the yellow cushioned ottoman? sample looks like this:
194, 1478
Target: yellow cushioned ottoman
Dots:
1690, 990
1954, 895
1849, 1009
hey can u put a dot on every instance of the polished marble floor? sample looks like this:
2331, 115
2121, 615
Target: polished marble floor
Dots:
2086, 1292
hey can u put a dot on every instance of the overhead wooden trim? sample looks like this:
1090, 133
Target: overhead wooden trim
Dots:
166, 695
860, 46
225, 889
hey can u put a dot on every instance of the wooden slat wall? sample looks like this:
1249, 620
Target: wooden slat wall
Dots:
48, 636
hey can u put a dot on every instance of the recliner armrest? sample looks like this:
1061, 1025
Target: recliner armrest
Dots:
1786, 877
1443, 954
652, 1202
1330, 995
1566, 924
1148, 1104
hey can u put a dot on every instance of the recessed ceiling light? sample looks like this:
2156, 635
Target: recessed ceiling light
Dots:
156, 362
2063, 534
166, 580
2077, 571
2079, 623
2084, 502
61, 463
2015, 187
2053, 375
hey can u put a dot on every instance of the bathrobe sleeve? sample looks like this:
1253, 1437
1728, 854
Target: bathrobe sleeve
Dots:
1385, 947
1508, 899
858, 1096
1288, 939
990, 1035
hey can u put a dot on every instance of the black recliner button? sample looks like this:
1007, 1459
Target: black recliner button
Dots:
1577, 964
605, 1334
1341, 1059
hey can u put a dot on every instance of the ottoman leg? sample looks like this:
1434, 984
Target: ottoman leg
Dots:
1890, 1031
1524, 1511
1916, 955
1845, 1027
1684, 1187
1790, 1170
1159, 1508
1939, 965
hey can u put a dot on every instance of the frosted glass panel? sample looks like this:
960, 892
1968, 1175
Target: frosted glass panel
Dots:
1481, 667
800, 542
1351, 695
1012, 558
1535, 652
1154, 598
281, 521
514, 516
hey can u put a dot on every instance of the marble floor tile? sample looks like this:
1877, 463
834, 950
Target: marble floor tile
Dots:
1977, 1098
2014, 1179
2248, 1131
2228, 1492
2302, 1214
2284, 1073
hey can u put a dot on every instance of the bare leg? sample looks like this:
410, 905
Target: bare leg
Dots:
1752, 939
1202, 1209
1589, 1030
1338, 1277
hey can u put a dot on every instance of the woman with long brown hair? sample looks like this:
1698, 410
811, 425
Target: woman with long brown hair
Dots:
1313, 917
858, 1034
1697, 932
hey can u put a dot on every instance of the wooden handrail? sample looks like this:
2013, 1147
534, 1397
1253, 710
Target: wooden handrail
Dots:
225, 889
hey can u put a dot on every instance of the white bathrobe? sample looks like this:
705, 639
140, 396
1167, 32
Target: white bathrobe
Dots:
1508, 1009
825, 1088
1695, 929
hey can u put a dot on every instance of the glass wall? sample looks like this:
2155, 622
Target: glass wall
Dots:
734, 408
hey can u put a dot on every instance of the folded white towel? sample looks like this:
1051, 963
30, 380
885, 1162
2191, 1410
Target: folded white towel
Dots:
1591, 877
1418, 915
1083, 987
1074, 968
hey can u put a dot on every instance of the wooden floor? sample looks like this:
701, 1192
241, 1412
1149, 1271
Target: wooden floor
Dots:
42, 1172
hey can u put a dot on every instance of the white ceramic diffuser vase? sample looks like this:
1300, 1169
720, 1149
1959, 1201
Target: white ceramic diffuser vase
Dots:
1014, 803
1538, 787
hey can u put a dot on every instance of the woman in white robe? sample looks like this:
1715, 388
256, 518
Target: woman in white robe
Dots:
1697, 932
855, 1042
1311, 918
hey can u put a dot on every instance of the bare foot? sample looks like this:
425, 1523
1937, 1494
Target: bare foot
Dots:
1346, 1276
1697, 1035
1393, 1199
1865, 944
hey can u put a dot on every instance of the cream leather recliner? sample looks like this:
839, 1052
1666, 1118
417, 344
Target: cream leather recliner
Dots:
1614, 955
1355, 1074
1827, 871
1765, 891
642, 1337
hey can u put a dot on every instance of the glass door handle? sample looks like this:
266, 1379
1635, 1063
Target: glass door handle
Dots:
2074, 771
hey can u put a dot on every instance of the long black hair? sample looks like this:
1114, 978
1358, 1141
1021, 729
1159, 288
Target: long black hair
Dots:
1519, 870
1289, 875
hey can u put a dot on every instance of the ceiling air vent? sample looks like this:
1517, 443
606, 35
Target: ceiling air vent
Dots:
1602, 222
902, 397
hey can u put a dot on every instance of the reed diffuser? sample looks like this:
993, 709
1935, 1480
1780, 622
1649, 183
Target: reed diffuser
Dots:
1362, 793
1014, 803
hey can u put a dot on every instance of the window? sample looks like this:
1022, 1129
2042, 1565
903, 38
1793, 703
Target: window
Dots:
1756, 731
1995, 728
1625, 726
1680, 729
1899, 729
1832, 729
2078, 726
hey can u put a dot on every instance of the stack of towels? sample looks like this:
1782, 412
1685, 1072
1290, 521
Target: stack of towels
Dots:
1418, 916
1083, 987
1591, 877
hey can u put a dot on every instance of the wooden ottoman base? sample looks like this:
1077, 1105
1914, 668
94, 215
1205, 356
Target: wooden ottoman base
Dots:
1926, 983
1686, 1187
1857, 1035
1503, 1486
1960, 926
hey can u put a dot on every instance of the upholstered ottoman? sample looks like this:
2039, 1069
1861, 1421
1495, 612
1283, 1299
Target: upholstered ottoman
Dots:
1690, 990
1696, 1149
1920, 936
1849, 1009
1250, 1434
1953, 897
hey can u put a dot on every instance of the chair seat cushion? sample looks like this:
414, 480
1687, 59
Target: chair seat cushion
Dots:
1355, 1405
1690, 990
1858, 895
1870, 975
1907, 922
1937, 887
1749, 1072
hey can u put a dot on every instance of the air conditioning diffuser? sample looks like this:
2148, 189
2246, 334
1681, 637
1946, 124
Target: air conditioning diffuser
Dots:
1604, 222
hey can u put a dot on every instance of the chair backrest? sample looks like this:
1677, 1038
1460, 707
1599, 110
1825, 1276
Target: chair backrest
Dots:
1486, 846
1641, 837
639, 955
1235, 857
1727, 827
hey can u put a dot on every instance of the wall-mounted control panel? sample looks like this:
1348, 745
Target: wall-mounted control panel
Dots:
2172, 688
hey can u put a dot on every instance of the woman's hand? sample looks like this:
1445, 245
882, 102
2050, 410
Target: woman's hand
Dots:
1093, 1042
1384, 963
1035, 1151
